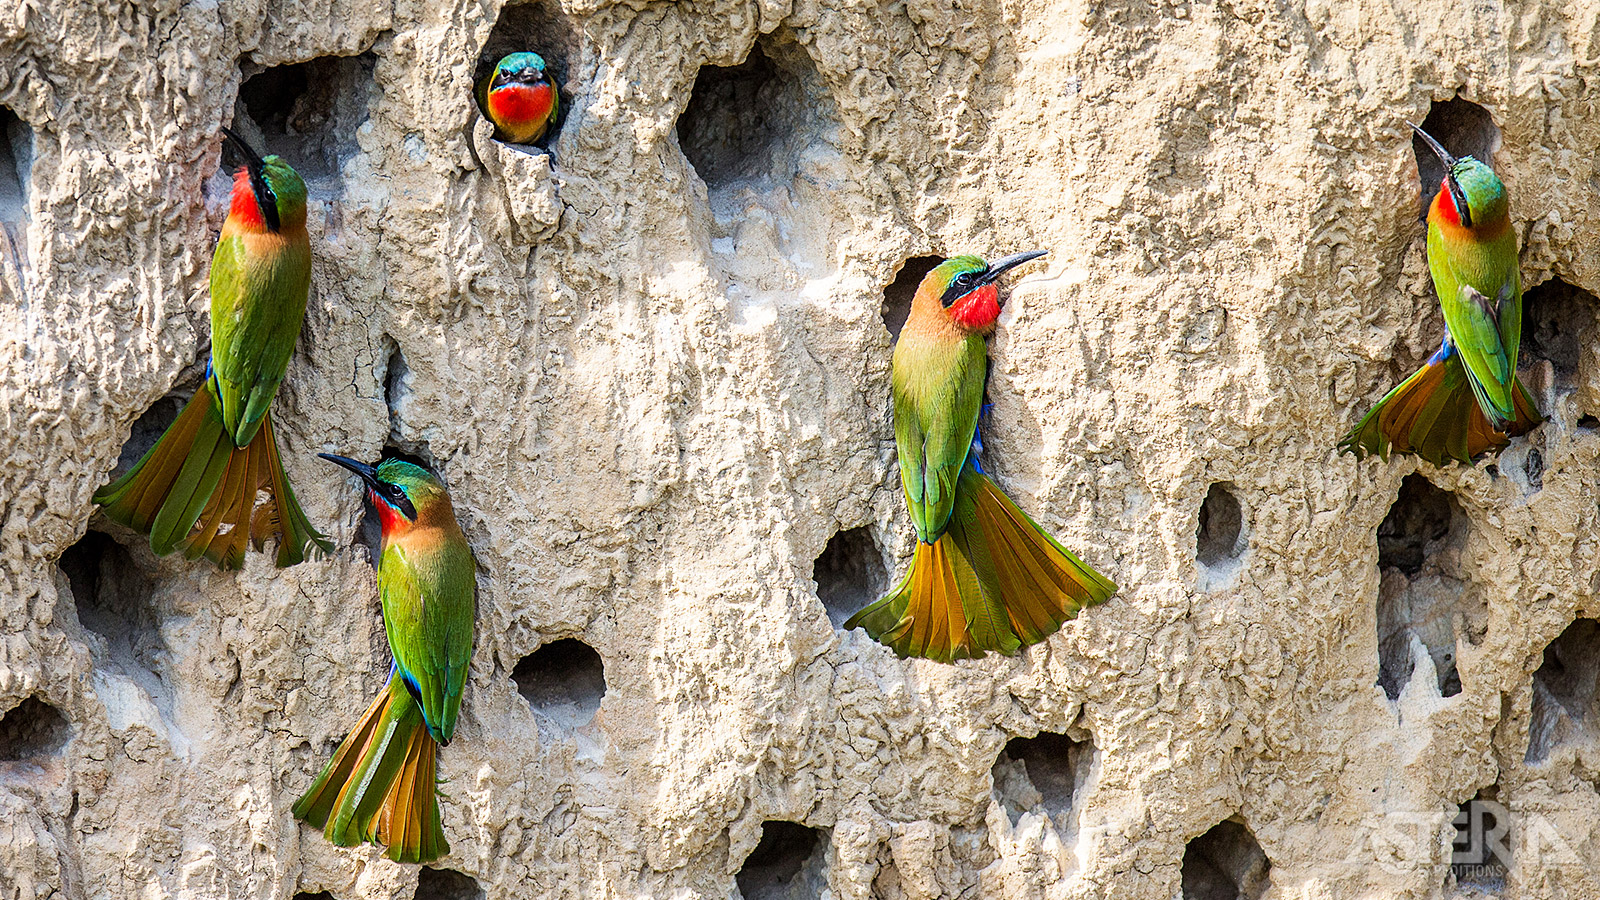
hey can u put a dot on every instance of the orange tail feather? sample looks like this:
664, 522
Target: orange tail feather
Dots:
195, 491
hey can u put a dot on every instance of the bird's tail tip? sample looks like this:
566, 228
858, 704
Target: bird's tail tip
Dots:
993, 581
380, 785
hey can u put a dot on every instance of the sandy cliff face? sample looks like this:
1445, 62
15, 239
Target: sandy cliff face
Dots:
655, 375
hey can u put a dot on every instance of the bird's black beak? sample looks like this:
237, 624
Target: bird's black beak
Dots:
369, 474
252, 159
1438, 148
1005, 264
266, 200
1457, 195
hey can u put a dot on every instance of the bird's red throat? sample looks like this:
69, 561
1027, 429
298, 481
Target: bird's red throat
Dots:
978, 310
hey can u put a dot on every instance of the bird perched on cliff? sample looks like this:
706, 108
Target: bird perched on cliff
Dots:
984, 576
519, 98
197, 487
380, 784
1466, 399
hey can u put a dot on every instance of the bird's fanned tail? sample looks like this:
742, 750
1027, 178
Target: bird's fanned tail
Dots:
195, 491
993, 581
380, 785
1434, 415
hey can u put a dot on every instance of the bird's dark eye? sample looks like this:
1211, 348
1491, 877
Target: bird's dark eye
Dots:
964, 279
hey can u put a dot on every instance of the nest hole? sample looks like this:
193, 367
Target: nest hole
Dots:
1043, 772
447, 884
1219, 536
751, 122
898, 295
152, 424
16, 165
1566, 691
308, 113
1423, 594
32, 732
849, 574
319, 895
1558, 325
1464, 129
1480, 851
114, 598
786, 864
539, 27
1225, 863
564, 680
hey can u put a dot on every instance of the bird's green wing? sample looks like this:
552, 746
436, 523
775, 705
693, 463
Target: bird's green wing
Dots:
258, 303
1480, 323
427, 614
937, 395
226, 321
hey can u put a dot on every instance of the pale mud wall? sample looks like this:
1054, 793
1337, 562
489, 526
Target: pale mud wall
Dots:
656, 401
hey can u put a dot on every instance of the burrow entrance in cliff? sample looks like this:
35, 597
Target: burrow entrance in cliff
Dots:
32, 733
1045, 775
1225, 863
113, 596
762, 135
849, 574
308, 113
1424, 595
564, 681
447, 884
1561, 325
789, 862
897, 296
1566, 692
1465, 129
1220, 534
543, 28
1480, 850
16, 165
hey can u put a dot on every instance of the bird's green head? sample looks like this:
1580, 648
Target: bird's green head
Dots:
519, 68
1470, 195
268, 194
403, 493
964, 288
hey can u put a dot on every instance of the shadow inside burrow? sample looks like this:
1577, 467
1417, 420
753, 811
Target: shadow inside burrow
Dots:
309, 114
16, 168
1425, 595
899, 293
1565, 709
1045, 773
1226, 863
788, 863
850, 574
563, 681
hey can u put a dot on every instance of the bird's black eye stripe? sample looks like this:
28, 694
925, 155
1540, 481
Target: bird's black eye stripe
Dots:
959, 287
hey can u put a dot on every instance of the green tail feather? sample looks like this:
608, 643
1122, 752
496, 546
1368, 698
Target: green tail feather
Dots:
1435, 414
993, 581
379, 786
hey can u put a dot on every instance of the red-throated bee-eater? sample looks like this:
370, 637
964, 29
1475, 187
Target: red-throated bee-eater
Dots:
984, 576
519, 98
380, 785
196, 488
1466, 399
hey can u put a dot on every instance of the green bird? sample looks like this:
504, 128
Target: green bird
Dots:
984, 576
519, 98
197, 487
380, 785
1466, 399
